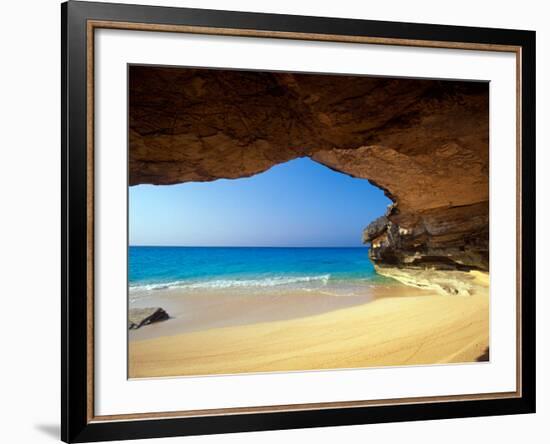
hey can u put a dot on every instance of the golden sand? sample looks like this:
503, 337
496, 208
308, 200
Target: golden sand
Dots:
426, 328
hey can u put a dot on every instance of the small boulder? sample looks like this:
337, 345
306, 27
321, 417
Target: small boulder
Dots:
138, 317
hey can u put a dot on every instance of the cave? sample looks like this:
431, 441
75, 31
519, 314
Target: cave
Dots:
424, 142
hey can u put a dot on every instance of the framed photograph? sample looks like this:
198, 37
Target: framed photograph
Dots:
276, 221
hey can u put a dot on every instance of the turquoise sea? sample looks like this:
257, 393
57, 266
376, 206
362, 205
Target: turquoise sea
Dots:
194, 268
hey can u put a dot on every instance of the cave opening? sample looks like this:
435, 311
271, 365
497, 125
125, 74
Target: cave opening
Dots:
423, 141
298, 203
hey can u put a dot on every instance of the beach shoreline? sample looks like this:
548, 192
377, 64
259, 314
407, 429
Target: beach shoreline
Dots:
292, 330
204, 309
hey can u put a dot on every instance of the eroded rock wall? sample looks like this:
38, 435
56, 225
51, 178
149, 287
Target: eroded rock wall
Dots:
443, 238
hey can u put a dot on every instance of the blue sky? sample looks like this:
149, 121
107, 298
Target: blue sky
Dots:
297, 204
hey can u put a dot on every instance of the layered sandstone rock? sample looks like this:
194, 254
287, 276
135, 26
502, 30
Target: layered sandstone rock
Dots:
424, 142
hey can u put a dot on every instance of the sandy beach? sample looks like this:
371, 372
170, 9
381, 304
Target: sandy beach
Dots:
394, 325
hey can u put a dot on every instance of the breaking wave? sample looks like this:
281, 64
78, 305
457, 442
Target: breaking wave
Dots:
273, 281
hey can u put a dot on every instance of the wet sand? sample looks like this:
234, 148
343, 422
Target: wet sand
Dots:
201, 310
215, 333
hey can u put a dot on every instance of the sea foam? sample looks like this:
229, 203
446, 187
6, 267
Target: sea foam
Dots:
272, 281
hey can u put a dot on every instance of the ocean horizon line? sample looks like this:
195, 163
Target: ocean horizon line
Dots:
247, 246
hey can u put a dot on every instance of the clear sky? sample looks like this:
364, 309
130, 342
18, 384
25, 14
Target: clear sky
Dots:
297, 204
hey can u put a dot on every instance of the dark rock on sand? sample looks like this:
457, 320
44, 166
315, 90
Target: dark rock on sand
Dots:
138, 317
484, 357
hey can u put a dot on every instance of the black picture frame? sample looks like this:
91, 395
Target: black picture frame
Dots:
76, 424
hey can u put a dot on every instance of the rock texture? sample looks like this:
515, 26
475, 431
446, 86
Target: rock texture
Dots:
442, 238
424, 142
445, 282
138, 317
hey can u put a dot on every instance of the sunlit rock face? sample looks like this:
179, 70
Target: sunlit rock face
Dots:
424, 142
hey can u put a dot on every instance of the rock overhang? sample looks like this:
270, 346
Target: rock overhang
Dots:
424, 142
